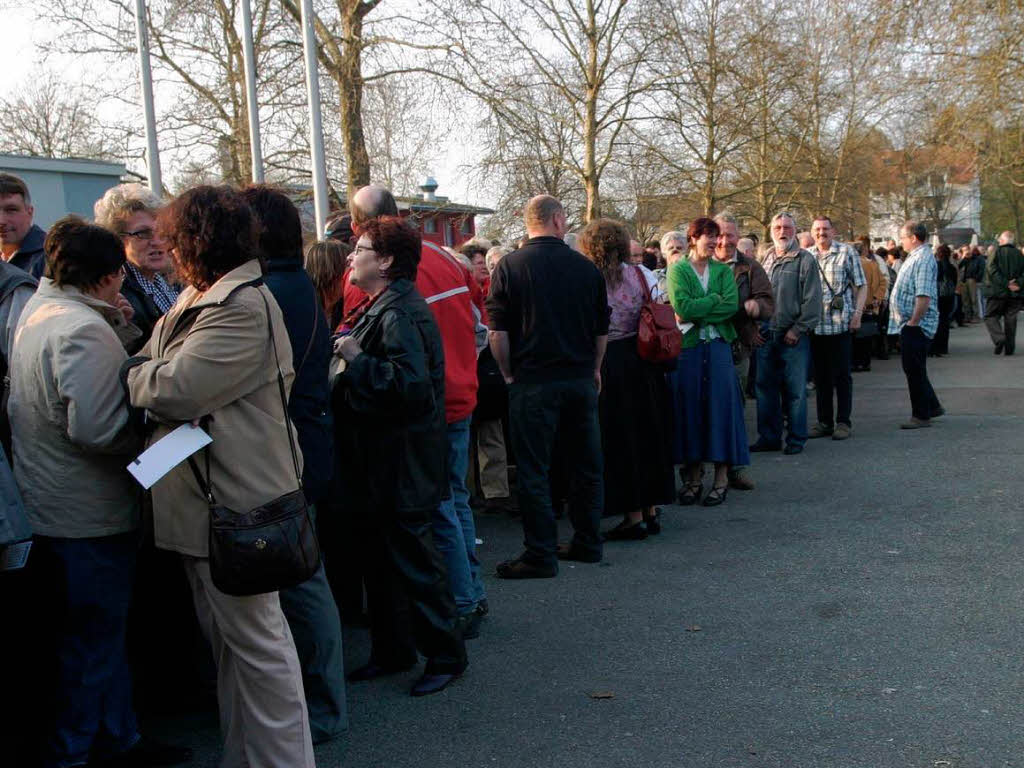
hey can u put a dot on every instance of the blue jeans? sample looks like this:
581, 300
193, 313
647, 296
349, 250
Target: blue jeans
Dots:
87, 586
782, 383
316, 627
454, 528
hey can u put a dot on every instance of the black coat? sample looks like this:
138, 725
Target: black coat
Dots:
389, 405
146, 311
309, 401
30, 256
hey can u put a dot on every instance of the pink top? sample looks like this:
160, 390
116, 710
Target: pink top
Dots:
625, 301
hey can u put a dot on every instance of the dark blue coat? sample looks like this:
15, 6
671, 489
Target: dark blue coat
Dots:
309, 401
30, 256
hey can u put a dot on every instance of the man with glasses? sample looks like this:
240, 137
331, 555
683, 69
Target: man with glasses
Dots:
21, 241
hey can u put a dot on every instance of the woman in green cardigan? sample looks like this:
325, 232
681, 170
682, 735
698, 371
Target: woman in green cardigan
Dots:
708, 405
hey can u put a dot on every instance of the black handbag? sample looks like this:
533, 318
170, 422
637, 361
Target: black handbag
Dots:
271, 547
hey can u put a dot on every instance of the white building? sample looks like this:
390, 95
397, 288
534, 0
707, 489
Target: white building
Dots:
937, 186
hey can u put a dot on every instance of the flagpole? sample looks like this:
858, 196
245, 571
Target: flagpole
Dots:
316, 135
146, 75
255, 151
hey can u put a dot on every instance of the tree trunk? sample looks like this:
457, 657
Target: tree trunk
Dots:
349, 78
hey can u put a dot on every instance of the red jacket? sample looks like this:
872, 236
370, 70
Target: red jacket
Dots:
456, 302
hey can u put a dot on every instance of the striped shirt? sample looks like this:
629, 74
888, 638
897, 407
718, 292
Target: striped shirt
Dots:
917, 277
841, 270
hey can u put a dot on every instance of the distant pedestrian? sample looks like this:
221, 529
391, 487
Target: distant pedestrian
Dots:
1004, 278
21, 241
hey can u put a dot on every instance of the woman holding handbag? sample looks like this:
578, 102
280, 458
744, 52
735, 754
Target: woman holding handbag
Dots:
634, 396
708, 405
221, 355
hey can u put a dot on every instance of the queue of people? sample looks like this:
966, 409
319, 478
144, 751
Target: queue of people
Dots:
378, 373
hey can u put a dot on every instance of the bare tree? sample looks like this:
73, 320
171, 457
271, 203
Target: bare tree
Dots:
51, 118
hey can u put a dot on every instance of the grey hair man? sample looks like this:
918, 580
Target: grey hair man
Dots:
782, 360
1004, 277
844, 292
756, 302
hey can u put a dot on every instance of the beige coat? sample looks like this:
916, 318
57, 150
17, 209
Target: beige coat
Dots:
211, 356
69, 415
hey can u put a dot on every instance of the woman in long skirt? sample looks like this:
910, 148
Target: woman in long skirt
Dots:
634, 397
708, 405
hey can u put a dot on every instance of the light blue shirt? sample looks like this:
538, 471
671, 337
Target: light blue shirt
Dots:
919, 276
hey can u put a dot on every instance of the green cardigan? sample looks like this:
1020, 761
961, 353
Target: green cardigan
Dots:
693, 306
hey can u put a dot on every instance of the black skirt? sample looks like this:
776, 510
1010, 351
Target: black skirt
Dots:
635, 431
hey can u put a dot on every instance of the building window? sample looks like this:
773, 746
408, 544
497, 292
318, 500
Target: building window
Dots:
467, 226
430, 226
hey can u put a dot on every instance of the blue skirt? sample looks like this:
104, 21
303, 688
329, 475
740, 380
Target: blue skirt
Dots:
707, 407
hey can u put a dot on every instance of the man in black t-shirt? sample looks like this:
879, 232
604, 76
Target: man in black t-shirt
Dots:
548, 310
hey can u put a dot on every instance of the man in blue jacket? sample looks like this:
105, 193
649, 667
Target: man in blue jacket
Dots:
310, 608
21, 241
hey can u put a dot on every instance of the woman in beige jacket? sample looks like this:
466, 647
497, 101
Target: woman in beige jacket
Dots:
210, 358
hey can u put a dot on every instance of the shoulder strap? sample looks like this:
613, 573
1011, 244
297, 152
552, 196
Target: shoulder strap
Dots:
206, 484
643, 282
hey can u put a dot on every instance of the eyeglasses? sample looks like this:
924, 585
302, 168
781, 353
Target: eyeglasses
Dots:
146, 234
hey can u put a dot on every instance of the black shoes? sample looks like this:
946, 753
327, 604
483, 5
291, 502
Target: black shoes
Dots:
716, 496
469, 624
146, 752
626, 532
760, 447
569, 552
653, 522
793, 450
522, 569
429, 684
372, 671
999, 348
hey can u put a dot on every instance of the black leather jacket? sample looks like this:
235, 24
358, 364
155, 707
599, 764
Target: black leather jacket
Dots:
389, 409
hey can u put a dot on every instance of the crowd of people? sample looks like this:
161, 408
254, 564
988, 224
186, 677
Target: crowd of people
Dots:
403, 387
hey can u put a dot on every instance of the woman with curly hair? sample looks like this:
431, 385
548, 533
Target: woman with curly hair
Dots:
214, 358
634, 398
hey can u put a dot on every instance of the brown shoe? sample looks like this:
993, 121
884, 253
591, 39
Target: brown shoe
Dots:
916, 423
819, 430
842, 432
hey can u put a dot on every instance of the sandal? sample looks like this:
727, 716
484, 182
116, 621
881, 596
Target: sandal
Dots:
690, 494
716, 496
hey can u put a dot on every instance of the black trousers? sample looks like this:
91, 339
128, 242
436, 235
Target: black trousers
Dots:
940, 344
407, 594
914, 352
833, 358
537, 413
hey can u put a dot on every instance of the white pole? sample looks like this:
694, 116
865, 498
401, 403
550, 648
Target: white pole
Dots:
250, 95
152, 150
316, 135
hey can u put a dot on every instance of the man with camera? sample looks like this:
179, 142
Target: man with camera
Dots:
844, 290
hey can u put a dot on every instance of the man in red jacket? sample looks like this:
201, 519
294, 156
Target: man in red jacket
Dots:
456, 302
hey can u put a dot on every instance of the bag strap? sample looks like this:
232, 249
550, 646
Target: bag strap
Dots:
823, 277
206, 484
643, 282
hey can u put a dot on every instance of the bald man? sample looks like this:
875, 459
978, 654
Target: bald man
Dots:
548, 309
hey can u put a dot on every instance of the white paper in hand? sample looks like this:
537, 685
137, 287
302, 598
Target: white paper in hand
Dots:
167, 453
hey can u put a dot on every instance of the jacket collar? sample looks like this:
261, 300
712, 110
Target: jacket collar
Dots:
50, 290
32, 242
219, 291
395, 291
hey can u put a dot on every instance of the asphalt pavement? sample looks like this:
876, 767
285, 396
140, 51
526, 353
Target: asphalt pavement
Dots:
861, 607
